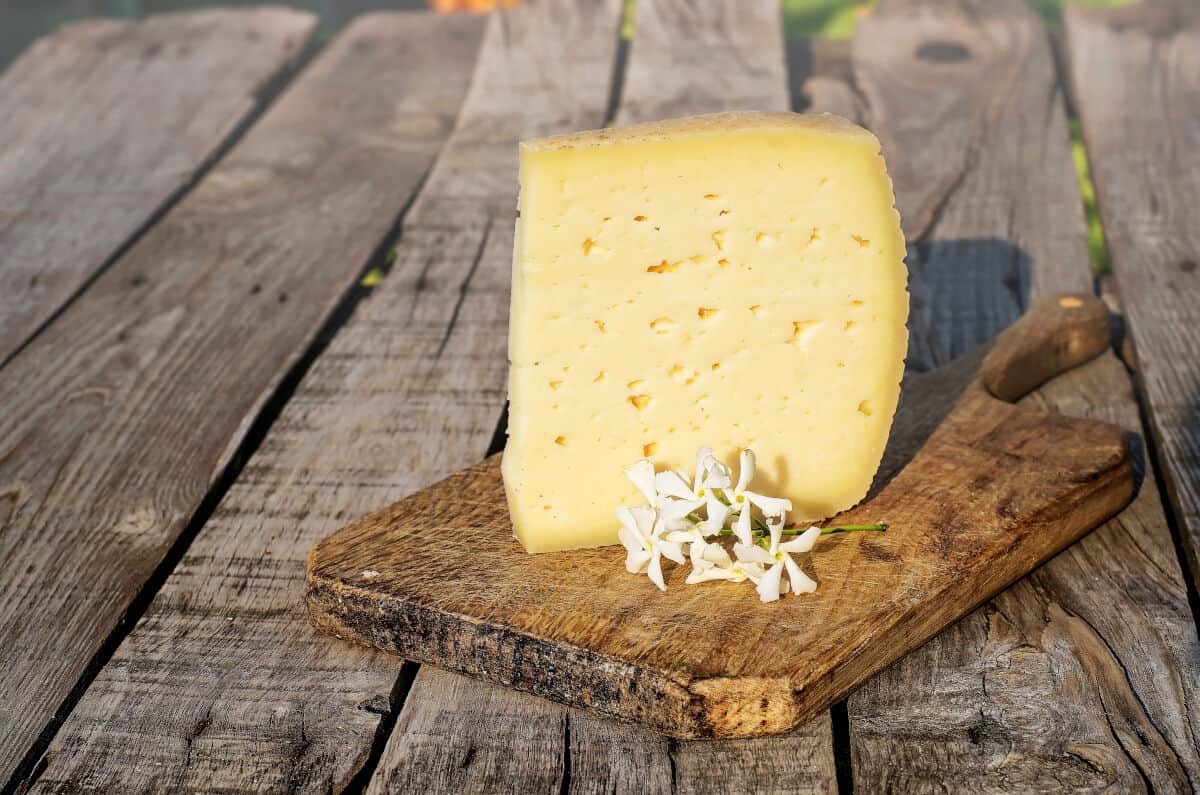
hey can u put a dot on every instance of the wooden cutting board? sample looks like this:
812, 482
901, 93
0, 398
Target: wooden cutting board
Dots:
993, 490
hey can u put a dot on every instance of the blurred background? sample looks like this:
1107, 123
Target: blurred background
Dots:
22, 21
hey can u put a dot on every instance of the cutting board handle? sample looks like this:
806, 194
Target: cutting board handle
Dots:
1057, 332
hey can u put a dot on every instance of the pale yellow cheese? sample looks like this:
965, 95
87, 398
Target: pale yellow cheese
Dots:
733, 280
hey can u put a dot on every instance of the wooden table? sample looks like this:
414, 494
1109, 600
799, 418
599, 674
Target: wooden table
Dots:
252, 288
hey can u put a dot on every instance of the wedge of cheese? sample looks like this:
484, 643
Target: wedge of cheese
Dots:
734, 280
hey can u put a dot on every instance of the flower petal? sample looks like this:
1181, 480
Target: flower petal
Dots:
803, 542
714, 573
770, 506
768, 586
641, 475
801, 582
702, 456
753, 571
655, 572
716, 554
753, 553
672, 484
636, 554
775, 526
673, 510
671, 550
716, 474
681, 536
745, 469
743, 528
718, 512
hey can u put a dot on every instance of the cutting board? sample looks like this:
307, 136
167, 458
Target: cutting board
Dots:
977, 492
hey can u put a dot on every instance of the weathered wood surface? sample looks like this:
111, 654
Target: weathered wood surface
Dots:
103, 123
575, 627
1084, 675
1136, 78
411, 388
122, 414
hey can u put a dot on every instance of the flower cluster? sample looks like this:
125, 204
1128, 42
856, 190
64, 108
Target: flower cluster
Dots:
681, 516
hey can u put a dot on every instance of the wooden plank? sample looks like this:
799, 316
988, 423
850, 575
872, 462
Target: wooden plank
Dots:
103, 123
1083, 675
1136, 78
734, 52
120, 417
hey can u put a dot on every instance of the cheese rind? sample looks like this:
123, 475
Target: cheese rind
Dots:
734, 280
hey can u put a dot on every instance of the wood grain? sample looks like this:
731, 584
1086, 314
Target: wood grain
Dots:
1083, 675
103, 123
122, 414
994, 492
1136, 78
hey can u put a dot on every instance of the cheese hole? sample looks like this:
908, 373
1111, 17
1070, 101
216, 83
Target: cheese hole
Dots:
561, 441
724, 263
606, 218
864, 408
555, 384
862, 241
716, 365
636, 384
858, 303
723, 212
706, 312
814, 237
600, 325
649, 449
757, 309
589, 246
850, 326
822, 182
712, 195
545, 507
675, 370
718, 239
664, 267
639, 218
763, 239
662, 325
639, 401
698, 259
840, 364
803, 331
599, 377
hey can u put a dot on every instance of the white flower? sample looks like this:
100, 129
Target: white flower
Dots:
641, 534
742, 499
778, 557
736, 571
678, 498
